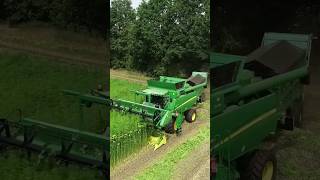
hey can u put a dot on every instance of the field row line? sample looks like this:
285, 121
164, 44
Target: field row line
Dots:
51, 55
127, 78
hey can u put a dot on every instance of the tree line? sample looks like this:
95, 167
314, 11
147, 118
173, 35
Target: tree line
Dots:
70, 14
160, 36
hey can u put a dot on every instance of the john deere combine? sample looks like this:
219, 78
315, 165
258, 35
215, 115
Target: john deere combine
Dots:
252, 97
168, 101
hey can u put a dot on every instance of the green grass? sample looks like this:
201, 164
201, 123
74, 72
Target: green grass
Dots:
163, 168
16, 166
120, 89
127, 130
121, 122
34, 85
298, 155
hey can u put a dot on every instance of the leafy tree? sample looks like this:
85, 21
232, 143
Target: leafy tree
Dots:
74, 14
171, 36
122, 21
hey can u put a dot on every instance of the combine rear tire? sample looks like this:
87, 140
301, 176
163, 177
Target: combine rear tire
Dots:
191, 115
171, 127
262, 166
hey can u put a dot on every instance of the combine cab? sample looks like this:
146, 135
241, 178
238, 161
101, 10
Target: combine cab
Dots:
252, 97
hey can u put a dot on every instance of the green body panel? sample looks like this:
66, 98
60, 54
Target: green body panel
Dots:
179, 120
247, 109
242, 128
227, 172
166, 118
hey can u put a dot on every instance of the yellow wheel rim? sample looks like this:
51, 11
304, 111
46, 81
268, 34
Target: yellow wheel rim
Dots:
267, 172
193, 118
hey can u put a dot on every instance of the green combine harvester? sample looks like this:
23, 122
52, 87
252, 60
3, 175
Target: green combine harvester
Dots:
168, 102
252, 97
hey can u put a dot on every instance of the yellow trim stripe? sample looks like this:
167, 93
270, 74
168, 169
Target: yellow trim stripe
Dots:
247, 126
185, 102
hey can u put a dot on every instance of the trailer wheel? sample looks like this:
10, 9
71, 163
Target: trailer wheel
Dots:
262, 166
171, 127
191, 115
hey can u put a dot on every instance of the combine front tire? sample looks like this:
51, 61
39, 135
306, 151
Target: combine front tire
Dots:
191, 115
262, 166
171, 127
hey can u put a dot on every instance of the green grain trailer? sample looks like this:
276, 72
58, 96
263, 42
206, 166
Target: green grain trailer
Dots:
251, 98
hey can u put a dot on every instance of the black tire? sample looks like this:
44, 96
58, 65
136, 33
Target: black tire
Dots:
258, 164
171, 127
191, 115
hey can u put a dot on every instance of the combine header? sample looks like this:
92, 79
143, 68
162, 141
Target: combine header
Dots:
58, 141
251, 98
168, 101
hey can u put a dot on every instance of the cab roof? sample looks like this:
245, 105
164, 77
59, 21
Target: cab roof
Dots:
156, 91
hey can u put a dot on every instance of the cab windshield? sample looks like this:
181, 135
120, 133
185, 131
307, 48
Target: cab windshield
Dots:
158, 101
